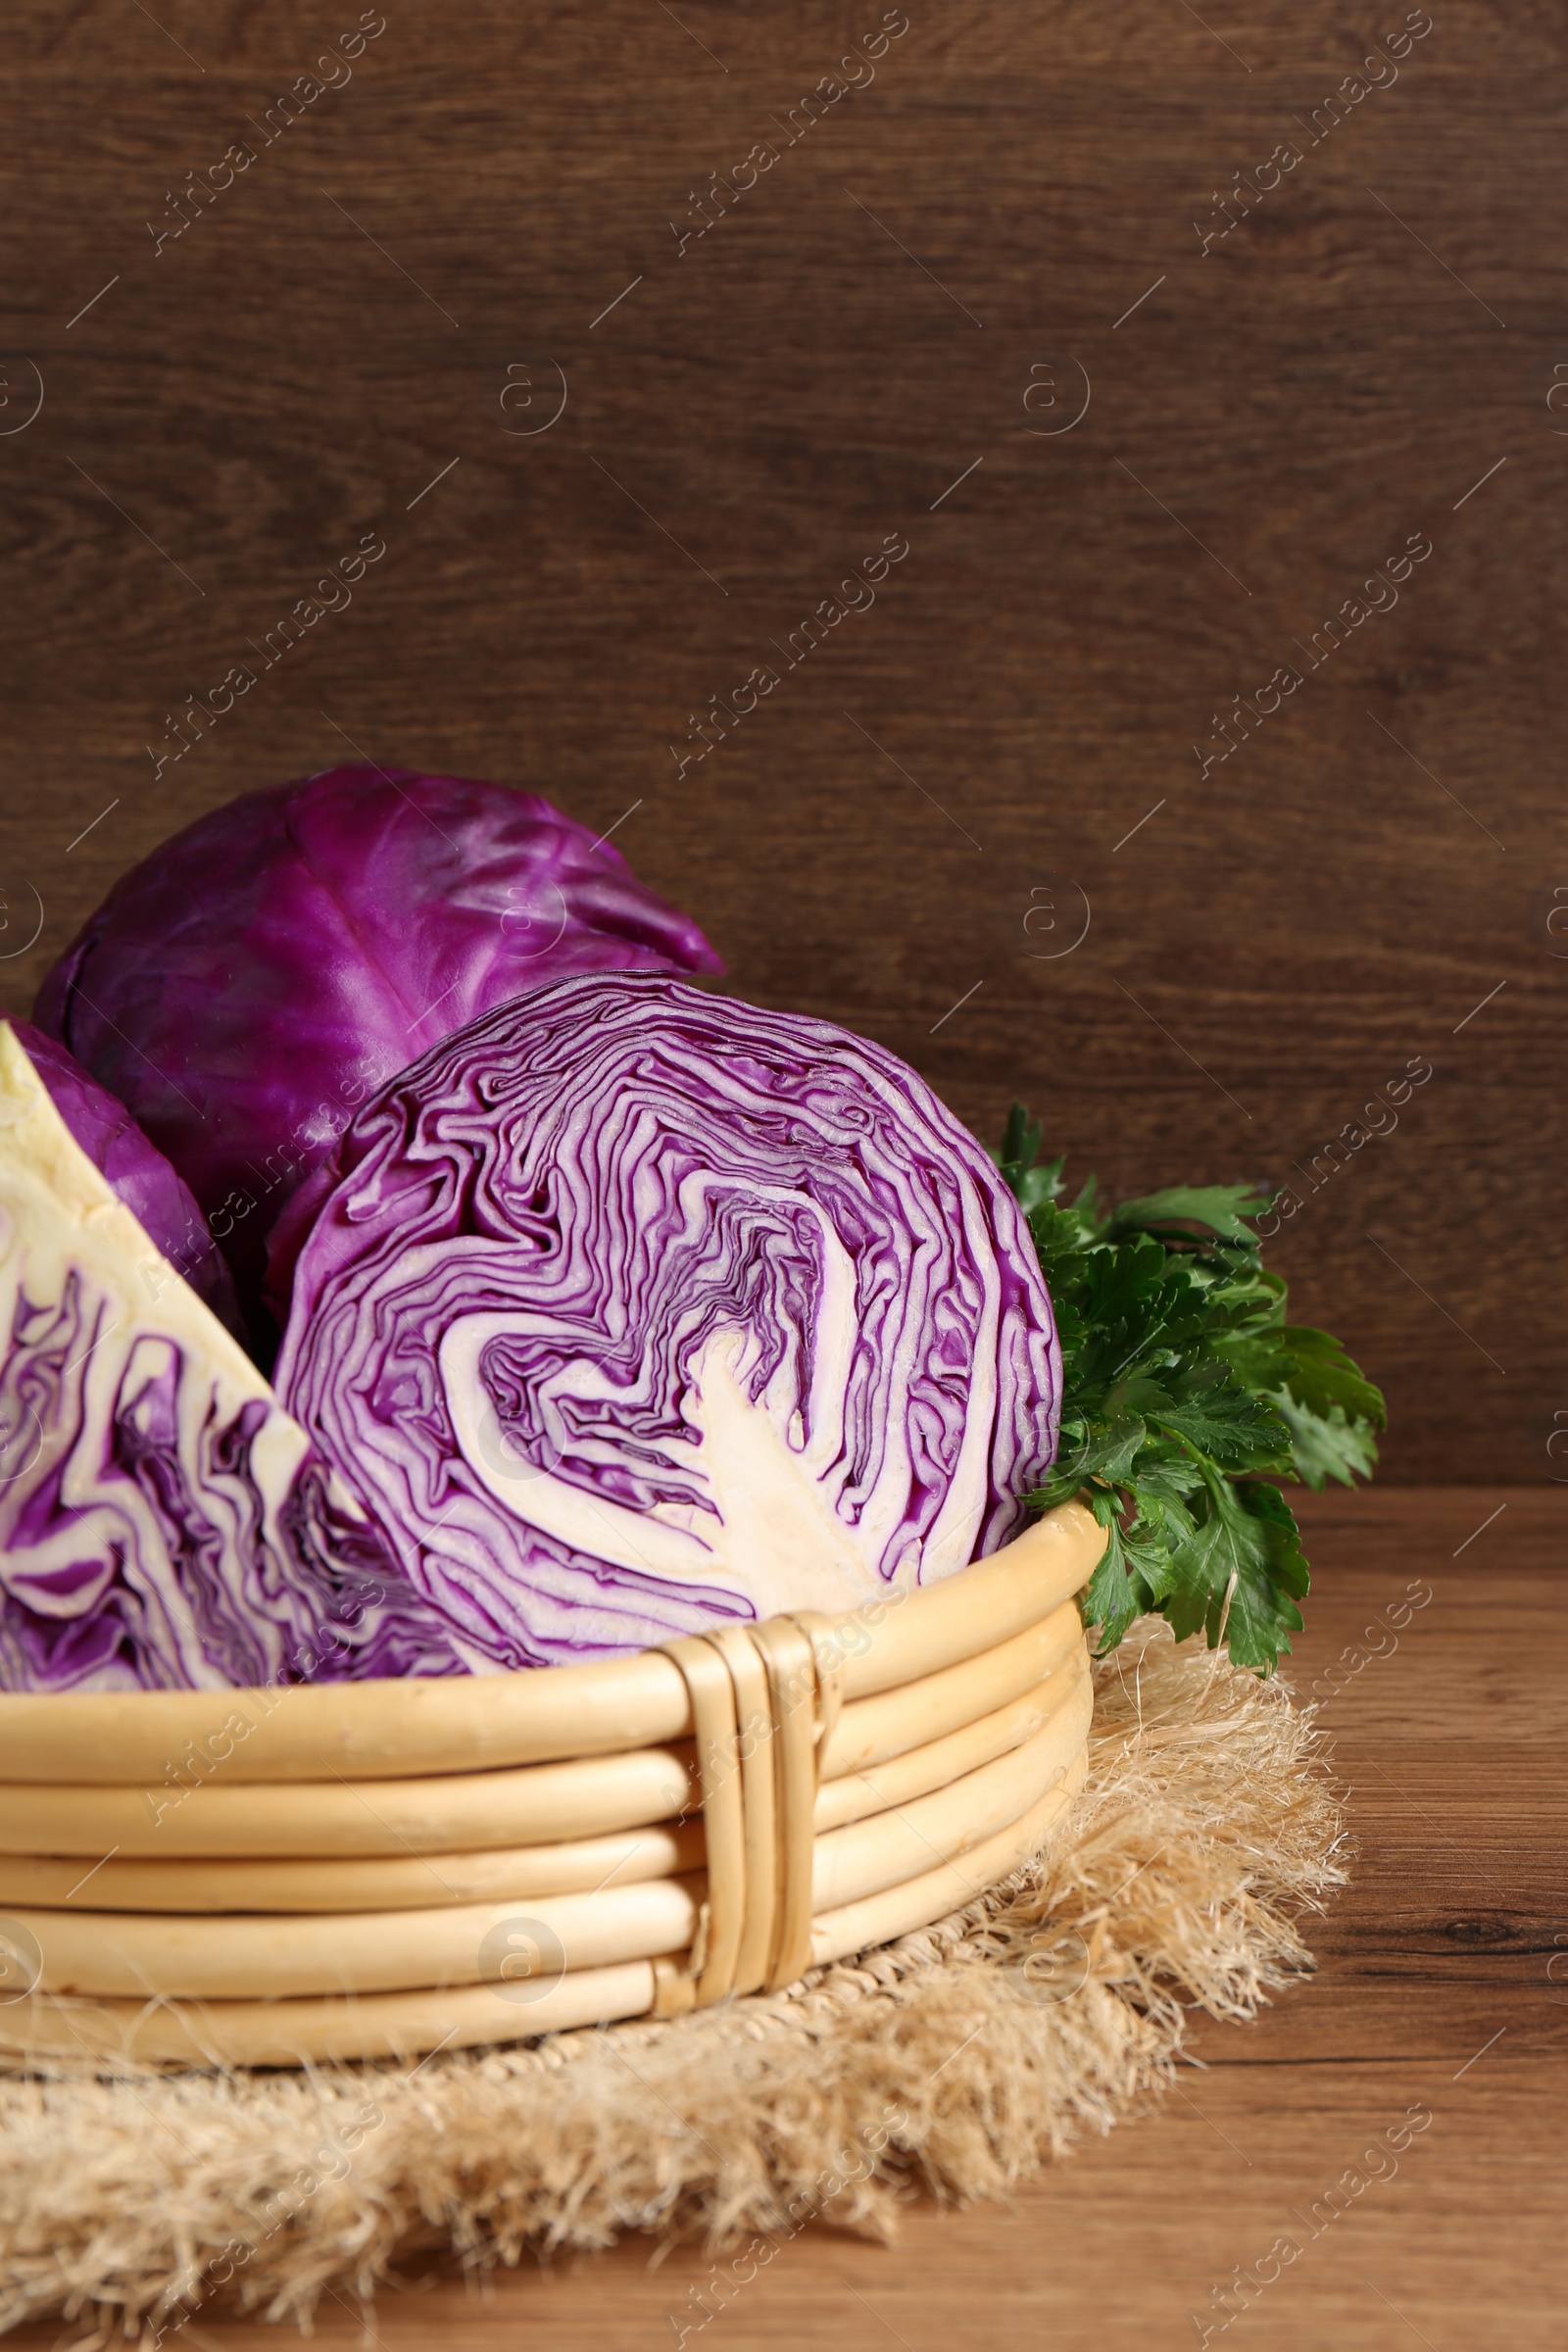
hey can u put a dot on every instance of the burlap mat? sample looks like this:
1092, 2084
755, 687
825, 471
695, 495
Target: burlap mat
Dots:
958, 2059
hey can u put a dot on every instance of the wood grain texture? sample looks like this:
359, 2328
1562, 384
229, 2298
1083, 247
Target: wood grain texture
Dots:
1432, 1991
876, 841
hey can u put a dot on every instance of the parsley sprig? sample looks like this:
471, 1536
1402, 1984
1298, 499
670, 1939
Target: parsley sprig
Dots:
1185, 1396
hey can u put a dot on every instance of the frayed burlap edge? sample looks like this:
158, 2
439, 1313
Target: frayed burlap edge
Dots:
957, 2060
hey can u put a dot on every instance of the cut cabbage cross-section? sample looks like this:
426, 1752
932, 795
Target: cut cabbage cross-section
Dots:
631, 1308
135, 1170
162, 1523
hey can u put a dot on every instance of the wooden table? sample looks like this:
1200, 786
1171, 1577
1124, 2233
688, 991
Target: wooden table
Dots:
1435, 1993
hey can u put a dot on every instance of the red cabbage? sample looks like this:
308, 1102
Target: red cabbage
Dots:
251, 983
137, 1172
162, 1523
631, 1308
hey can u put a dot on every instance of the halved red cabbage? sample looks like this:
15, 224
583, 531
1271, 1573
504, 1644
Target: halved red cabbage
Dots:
138, 1171
632, 1308
248, 986
162, 1523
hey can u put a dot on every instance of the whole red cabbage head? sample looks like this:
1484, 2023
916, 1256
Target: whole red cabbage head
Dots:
262, 974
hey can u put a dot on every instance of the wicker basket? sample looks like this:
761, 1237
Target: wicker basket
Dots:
383, 1869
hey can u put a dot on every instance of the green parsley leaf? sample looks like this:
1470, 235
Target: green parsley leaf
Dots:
1218, 1208
1020, 1148
1324, 1376
1328, 1444
1208, 1408
1238, 1573
1184, 1392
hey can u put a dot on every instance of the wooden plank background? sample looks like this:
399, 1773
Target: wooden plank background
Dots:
892, 332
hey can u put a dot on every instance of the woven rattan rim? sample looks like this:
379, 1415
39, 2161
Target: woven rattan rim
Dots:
404, 1730
844, 1770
